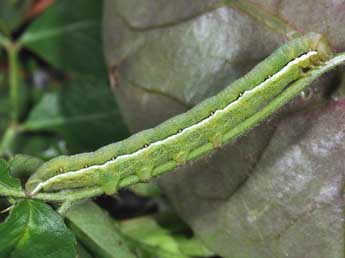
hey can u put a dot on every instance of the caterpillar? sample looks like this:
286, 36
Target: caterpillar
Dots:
212, 123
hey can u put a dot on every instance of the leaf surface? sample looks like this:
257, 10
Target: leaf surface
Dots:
67, 35
6, 179
82, 109
96, 230
12, 14
34, 230
224, 198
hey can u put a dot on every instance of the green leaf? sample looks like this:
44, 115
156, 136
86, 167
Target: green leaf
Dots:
4, 107
82, 253
46, 114
22, 165
12, 13
237, 204
6, 179
34, 230
150, 239
83, 112
68, 36
97, 231
44, 146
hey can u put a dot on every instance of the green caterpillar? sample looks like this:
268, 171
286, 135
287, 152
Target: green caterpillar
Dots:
209, 125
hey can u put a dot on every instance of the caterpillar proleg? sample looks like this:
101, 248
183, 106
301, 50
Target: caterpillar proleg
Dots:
214, 122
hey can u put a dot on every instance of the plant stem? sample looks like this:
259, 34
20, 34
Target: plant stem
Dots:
7, 140
11, 193
4, 41
12, 51
64, 208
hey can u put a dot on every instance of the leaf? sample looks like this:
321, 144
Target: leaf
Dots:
68, 36
12, 14
22, 165
45, 114
79, 119
150, 239
6, 179
34, 230
160, 75
44, 146
171, 50
97, 231
82, 252
290, 200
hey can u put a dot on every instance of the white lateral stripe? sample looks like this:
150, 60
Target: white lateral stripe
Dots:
195, 126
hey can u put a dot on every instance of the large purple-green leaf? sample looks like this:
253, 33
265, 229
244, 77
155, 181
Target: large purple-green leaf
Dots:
291, 205
253, 198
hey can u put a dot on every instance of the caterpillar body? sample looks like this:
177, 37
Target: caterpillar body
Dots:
212, 123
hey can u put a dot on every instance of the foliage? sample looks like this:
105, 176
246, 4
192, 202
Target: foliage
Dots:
55, 98
276, 192
268, 194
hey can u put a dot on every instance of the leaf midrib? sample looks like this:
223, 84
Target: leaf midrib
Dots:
30, 37
55, 122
